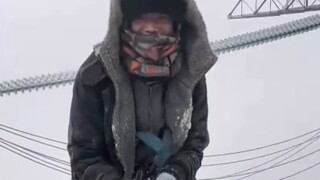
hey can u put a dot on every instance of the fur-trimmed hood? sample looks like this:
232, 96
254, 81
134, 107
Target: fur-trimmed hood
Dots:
199, 58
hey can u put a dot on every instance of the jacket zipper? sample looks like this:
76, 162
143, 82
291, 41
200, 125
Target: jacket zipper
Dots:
150, 108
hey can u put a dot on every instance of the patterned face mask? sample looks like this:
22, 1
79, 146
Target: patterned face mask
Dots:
149, 55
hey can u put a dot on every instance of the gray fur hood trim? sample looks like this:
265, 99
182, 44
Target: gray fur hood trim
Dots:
199, 59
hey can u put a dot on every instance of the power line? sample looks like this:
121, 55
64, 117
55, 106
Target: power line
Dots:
206, 156
263, 147
57, 160
66, 163
273, 159
310, 143
34, 135
32, 156
199, 179
299, 172
261, 156
43, 164
40, 142
265, 169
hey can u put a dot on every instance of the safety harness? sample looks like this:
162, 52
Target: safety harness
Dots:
162, 148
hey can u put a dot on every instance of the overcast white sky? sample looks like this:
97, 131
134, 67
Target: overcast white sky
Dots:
257, 96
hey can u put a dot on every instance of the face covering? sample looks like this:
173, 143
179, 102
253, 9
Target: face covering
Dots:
149, 55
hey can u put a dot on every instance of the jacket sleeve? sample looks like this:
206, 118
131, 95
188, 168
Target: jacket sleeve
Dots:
186, 162
86, 141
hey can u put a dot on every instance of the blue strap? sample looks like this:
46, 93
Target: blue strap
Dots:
151, 141
163, 148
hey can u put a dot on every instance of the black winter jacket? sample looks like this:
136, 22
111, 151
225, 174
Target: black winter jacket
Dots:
91, 145
102, 129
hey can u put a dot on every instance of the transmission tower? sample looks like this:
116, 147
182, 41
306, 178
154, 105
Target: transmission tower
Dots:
263, 8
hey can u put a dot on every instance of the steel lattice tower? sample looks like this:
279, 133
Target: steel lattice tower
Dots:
263, 8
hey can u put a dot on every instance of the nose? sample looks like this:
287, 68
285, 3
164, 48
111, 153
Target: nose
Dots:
150, 29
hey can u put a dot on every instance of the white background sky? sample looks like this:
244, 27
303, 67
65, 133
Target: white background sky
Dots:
257, 96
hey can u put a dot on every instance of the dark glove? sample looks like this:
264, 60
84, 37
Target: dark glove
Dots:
178, 172
165, 176
183, 165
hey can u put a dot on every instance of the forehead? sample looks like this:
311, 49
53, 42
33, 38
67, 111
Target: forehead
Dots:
154, 16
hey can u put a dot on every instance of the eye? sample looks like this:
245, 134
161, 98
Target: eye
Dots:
137, 21
164, 18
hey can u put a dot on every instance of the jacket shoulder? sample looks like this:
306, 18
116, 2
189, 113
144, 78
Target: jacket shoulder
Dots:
91, 71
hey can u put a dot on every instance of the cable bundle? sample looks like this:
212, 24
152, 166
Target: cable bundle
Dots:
63, 166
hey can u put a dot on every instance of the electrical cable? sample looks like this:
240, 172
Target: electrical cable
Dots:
273, 159
34, 135
302, 171
17, 153
207, 156
265, 169
263, 147
306, 146
40, 142
57, 160
34, 157
261, 156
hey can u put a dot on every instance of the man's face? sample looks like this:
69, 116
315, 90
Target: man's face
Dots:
153, 23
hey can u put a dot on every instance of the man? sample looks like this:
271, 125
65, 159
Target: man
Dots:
139, 107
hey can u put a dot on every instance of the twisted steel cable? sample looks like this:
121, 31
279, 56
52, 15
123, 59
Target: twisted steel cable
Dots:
221, 46
267, 35
37, 82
